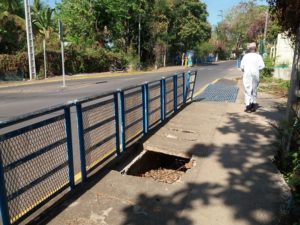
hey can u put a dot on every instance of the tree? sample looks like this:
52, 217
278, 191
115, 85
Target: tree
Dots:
178, 25
241, 24
287, 12
189, 25
42, 19
12, 26
12, 6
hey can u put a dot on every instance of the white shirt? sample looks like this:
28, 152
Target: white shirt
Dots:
252, 63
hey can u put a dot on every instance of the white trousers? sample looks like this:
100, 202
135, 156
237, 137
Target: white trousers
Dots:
250, 85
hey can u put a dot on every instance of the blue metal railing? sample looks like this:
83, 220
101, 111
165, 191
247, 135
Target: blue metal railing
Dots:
31, 158
36, 160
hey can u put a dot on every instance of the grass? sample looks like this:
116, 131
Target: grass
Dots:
274, 86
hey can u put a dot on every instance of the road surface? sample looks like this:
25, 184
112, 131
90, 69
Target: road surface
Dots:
15, 101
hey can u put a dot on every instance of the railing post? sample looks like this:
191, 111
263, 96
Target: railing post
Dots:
117, 124
183, 88
187, 85
122, 117
81, 141
3, 196
145, 108
162, 99
192, 96
175, 91
69, 146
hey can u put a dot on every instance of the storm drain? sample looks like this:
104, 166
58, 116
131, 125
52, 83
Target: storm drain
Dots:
160, 167
218, 93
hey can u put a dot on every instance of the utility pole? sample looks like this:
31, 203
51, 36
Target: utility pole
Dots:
266, 26
61, 37
139, 45
30, 46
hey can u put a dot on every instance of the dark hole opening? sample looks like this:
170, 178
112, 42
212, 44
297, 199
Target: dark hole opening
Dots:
160, 167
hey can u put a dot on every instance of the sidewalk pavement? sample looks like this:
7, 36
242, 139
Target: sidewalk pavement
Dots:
233, 180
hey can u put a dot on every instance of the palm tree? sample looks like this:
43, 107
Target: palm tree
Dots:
42, 18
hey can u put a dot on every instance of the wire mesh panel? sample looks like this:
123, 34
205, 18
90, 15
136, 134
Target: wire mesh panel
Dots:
35, 164
99, 130
169, 95
179, 90
191, 80
154, 103
133, 103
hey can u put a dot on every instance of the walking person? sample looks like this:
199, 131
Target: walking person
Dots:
251, 64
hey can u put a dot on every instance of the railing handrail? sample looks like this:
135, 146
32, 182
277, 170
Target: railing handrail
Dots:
32, 115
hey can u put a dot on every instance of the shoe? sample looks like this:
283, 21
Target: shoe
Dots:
248, 109
253, 107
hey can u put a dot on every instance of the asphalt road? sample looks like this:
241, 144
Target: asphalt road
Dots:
15, 101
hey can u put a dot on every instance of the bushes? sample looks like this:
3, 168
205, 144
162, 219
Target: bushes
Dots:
13, 66
287, 160
75, 62
269, 68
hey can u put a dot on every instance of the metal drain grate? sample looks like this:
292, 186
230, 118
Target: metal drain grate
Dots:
218, 93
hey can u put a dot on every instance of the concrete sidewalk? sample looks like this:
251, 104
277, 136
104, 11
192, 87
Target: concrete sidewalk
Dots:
233, 180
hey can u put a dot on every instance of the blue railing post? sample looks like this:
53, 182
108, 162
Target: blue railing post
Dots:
145, 108
183, 88
69, 146
3, 196
187, 85
175, 91
122, 117
117, 124
81, 141
162, 99
193, 90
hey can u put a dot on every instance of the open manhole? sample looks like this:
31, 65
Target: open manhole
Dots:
160, 167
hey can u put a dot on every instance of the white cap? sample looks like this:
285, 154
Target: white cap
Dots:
252, 45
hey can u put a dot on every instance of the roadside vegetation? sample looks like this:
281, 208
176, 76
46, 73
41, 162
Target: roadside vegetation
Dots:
287, 12
100, 34
268, 84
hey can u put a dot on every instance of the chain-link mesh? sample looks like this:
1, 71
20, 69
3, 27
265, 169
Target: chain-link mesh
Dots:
35, 164
191, 86
179, 90
99, 131
133, 102
154, 103
169, 95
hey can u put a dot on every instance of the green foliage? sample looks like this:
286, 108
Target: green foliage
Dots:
12, 7
288, 152
75, 62
174, 24
245, 23
287, 12
13, 66
42, 19
203, 49
269, 68
12, 33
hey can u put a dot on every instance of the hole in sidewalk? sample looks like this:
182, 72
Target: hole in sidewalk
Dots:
160, 167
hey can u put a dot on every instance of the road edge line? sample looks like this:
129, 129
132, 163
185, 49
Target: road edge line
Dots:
202, 89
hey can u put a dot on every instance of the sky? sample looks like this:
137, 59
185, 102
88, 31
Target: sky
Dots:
214, 7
